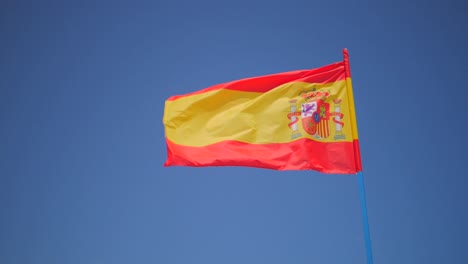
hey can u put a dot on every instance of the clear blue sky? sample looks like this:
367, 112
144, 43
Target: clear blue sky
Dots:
82, 91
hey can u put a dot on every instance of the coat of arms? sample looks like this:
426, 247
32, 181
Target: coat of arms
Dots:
315, 116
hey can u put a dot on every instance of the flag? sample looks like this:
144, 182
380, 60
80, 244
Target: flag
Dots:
297, 120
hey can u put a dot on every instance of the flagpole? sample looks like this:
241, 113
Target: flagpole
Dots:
357, 155
365, 219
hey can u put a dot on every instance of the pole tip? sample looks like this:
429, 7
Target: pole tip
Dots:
346, 62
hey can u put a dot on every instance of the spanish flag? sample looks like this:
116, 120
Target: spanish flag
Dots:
297, 120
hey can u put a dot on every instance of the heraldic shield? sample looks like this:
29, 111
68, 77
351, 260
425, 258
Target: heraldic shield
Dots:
315, 116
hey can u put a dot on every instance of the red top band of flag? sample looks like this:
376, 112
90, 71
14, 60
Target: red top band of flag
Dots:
298, 120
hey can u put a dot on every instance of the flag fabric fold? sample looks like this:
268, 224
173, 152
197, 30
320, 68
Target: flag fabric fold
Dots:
298, 120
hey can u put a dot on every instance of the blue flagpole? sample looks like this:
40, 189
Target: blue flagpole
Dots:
364, 218
358, 158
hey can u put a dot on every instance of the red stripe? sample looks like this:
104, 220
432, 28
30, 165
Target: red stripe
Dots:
325, 129
302, 154
357, 154
327, 74
328, 128
346, 62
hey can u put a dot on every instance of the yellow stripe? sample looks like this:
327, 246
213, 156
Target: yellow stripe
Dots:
352, 110
249, 117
